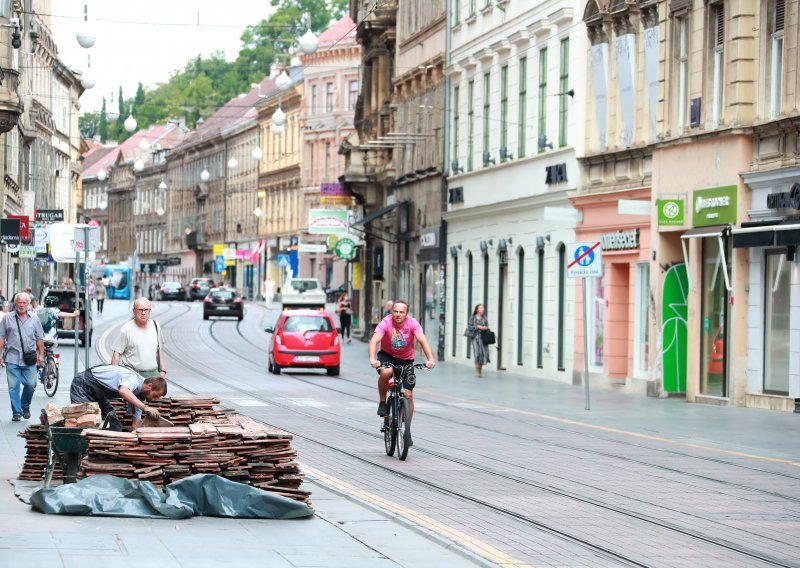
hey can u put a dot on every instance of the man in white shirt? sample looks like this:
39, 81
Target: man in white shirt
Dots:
140, 343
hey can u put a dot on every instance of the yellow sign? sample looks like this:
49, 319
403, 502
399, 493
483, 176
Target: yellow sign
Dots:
218, 250
334, 200
357, 276
331, 241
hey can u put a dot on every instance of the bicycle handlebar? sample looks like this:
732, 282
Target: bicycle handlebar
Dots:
388, 365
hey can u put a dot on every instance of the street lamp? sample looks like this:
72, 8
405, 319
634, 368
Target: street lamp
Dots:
130, 122
277, 129
162, 186
85, 36
138, 166
309, 42
204, 175
279, 117
257, 153
144, 145
87, 81
102, 175
233, 163
283, 80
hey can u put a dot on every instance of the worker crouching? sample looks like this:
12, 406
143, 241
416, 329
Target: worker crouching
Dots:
102, 383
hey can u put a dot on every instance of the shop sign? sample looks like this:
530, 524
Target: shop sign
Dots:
715, 206
429, 238
345, 249
49, 215
785, 199
333, 189
328, 221
9, 231
670, 212
556, 173
311, 248
27, 251
335, 200
621, 240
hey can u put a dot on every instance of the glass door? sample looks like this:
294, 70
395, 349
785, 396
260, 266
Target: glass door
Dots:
714, 333
596, 315
778, 303
641, 331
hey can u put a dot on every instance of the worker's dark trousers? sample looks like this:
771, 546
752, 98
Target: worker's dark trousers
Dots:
85, 389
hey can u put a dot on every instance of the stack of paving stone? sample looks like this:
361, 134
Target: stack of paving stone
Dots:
36, 454
181, 410
219, 442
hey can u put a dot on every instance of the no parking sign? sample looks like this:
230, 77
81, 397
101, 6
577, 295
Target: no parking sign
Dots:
584, 260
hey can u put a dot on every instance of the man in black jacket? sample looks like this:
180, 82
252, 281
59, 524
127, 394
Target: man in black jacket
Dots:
102, 383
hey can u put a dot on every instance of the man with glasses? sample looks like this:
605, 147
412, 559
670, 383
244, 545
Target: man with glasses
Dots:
140, 343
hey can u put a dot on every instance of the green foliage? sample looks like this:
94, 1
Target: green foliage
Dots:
103, 122
206, 84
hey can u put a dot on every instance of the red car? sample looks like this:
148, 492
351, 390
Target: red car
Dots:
304, 338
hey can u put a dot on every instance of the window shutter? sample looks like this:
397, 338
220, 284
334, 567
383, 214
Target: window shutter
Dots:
720, 13
779, 15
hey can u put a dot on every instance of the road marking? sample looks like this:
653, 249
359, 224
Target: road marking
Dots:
469, 542
306, 402
631, 433
247, 402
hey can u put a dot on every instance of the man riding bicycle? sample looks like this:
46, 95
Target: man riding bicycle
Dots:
396, 334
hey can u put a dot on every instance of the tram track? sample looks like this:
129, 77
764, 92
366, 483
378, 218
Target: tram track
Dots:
190, 365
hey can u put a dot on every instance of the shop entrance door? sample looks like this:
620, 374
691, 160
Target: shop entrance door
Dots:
501, 296
715, 330
429, 287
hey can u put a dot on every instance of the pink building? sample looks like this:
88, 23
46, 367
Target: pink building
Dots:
330, 95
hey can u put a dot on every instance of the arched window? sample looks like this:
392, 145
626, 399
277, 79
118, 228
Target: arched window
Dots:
469, 298
540, 309
562, 293
455, 304
520, 301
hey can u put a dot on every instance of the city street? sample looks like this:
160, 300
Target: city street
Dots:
503, 471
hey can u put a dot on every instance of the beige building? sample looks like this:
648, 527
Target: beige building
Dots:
280, 202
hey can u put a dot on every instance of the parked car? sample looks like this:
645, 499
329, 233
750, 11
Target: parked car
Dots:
332, 294
199, 287
172, 291
304, 338
303, 293
224, 302
64, 300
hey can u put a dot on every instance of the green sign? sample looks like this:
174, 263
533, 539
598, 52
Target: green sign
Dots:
670, 212
715, 206
675, 316
345, 249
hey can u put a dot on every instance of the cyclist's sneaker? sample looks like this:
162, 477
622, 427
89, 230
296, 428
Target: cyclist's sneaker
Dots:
409, 441
383, 410
16, 418
26, 413
49, 383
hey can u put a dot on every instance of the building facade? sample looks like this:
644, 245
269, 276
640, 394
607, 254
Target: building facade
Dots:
516, 133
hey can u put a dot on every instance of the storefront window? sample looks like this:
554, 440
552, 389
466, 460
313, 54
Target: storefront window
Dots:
641, 323
714, 333
777, 299
596, 315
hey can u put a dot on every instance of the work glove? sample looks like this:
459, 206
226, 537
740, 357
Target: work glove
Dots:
150, 411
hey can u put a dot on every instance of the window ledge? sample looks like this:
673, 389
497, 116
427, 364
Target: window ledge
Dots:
488, 8
471, 19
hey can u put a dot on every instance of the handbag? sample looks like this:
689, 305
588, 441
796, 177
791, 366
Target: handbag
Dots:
487, 337
467, 332
28, 357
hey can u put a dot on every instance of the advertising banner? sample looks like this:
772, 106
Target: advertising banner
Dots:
328, 221
714, 206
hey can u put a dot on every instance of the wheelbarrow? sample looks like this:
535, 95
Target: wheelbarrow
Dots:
71, 445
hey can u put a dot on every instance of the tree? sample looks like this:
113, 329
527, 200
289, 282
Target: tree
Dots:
103, 123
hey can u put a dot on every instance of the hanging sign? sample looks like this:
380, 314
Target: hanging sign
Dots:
345, 249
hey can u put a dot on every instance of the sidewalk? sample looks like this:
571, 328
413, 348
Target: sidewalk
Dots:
343, 532
754, 431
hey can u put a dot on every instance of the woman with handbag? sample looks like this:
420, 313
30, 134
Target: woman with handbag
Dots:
476, 326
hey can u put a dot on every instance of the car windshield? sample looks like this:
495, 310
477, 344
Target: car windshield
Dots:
304, 285
223, 295
302, 324
170, 285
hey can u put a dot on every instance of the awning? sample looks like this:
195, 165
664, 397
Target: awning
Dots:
716, 232
769, 233
379, 213
755, 234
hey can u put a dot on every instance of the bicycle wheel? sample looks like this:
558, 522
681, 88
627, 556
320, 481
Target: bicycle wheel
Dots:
403, 431
389, 432
50, 377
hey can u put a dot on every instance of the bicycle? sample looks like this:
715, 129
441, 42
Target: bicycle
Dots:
397, 423
48, 373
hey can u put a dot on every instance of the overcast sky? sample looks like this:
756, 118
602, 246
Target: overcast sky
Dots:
146, 40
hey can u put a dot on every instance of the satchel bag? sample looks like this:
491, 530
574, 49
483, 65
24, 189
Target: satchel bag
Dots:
467, 332
487, 337
28, 357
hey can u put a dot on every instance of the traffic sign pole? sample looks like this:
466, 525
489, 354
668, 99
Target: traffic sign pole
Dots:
585, 284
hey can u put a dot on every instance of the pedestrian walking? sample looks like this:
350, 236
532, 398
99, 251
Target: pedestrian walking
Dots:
345, 310
388, 310
21, 350
4, 309
269, 290
100, 295
110, 288
102, 383
140, 343
477, 324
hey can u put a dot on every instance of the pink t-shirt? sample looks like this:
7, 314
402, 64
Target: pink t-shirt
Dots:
398, 341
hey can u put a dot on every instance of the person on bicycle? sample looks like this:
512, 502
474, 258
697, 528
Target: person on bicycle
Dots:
396, 334
48, 315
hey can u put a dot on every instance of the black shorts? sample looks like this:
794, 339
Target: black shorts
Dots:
384, 357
